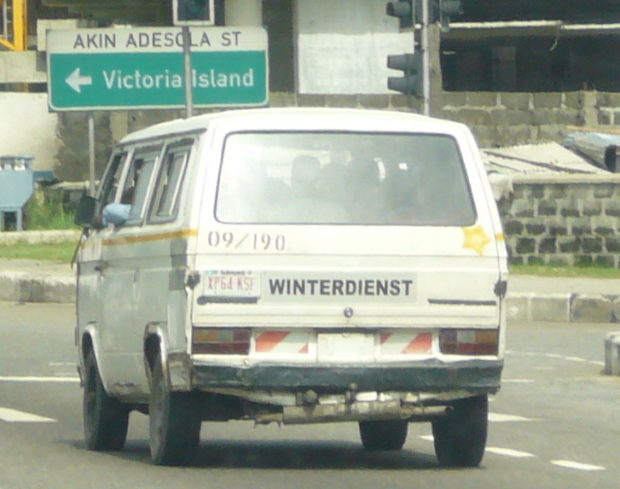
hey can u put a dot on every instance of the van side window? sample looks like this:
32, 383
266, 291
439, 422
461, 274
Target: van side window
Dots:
135, 188
111, 179
170, 179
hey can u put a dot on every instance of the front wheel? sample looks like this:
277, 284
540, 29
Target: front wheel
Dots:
460, 438
105, 418
174, 422
383, 435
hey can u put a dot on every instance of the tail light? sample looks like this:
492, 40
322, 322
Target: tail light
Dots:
222, 341
469, 342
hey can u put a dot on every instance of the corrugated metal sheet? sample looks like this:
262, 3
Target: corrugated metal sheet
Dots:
514, 28
600, 148
545, 158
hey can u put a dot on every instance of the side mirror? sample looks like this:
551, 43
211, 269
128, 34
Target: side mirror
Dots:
85, 211
116, 214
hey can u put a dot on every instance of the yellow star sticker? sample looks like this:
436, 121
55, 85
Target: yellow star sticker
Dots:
476, 238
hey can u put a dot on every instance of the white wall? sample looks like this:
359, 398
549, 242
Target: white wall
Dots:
26, 127
20, 67
342, 46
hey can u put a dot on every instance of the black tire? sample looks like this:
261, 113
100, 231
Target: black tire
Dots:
174, 422
105, 418
383, 435
461, 437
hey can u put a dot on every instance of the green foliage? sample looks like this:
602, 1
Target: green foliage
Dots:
52, 252
565, 271
47, 214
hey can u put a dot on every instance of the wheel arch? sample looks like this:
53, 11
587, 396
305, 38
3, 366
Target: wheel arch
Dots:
176, 365
154, 345
89, 342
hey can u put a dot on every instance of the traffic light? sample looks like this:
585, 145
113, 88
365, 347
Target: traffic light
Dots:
447, 9
450, 7
411, 83
403, 11
192, 12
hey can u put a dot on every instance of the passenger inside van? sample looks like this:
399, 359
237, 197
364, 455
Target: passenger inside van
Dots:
308, 204
305, 176
362, 190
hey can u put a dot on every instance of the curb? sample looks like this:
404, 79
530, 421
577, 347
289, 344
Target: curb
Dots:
25, 287
34, 237
612, 354
565, 307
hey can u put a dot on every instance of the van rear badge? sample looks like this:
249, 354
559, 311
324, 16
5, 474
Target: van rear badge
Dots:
348, 312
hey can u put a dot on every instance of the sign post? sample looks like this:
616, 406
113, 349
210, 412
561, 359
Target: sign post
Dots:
91, 154
187, 71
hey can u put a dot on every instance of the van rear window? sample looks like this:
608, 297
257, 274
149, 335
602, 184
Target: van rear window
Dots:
343, 178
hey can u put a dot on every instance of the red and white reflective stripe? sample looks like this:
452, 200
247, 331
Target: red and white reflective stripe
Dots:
289, 342
406, 343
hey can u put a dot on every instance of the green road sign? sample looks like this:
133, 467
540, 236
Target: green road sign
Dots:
107, 69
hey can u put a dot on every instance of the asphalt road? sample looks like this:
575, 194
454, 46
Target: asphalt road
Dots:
555, 424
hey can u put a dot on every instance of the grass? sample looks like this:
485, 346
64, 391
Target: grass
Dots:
551, 271
48, 215
51, 252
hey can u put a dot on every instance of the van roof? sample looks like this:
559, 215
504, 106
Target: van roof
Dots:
284, 118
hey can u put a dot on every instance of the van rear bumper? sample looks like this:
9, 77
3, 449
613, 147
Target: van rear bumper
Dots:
476, 376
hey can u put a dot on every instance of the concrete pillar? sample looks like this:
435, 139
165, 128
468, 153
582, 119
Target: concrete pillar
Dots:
436, 85
243, 12
590, 117
119, 124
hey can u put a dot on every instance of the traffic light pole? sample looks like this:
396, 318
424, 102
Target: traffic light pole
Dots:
426, 77
187, 68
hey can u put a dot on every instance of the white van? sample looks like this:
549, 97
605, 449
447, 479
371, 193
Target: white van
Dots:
292, 266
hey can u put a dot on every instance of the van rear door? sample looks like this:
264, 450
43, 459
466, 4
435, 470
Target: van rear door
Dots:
346, 245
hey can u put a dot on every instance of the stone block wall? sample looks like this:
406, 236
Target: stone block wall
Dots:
506, 119
496, 118
72, 134
563, 221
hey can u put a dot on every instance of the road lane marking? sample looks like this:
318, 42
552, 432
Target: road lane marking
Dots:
517, 381
39, 379
556, 356
576, 465
553, 355
507, 418
15, 416
508, 452
577, 359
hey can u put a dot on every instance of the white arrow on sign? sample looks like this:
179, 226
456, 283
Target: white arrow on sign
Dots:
75, 80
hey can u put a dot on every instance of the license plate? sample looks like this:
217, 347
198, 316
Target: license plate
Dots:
230, 284
345, 347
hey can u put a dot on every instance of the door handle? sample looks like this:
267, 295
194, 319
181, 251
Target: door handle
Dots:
101, 266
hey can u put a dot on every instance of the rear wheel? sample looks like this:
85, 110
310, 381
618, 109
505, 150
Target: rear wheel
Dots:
460, 438
105, 418
174, 422
383, 435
